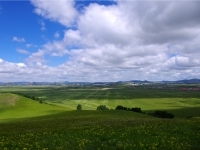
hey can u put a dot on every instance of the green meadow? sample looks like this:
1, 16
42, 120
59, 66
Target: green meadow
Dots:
55, 124
14, 107
180, 103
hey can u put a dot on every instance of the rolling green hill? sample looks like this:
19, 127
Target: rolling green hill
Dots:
180, 103
15, 107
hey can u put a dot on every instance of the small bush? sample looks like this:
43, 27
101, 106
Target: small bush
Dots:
102, 107
119, 107
162, 114
79, 107
135, 109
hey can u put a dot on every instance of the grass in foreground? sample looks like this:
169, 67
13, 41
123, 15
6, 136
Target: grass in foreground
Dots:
106, 130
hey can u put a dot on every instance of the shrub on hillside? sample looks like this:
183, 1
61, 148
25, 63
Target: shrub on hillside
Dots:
102, 107
79, 107
119, 107
162, 114
135, 109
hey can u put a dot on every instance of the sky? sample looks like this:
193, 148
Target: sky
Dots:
92, 41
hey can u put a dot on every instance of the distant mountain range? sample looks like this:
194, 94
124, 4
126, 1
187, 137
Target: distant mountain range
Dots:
187, 81
190, 81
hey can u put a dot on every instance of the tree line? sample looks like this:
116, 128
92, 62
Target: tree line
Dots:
28, 96
157, 113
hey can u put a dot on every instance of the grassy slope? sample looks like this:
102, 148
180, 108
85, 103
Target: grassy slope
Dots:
14, 107
106, 130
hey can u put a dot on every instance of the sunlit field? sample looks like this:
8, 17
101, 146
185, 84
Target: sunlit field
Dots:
14, 107
181, 103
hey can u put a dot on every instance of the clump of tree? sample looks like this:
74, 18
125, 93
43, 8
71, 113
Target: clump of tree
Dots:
28, 96
40, 101
102, 107
119, 107
79, 107
135, 109
162, 114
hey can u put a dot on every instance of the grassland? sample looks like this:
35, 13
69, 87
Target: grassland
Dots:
103, 130
14, 107
180, 103
28, 125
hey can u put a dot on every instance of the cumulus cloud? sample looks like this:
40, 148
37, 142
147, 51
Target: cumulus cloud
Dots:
21, 71
16, 39
23, 51
105, 24
37, 56
165, 22
62, 11
124, 41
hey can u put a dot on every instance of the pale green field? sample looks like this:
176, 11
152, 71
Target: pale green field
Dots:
179, 106
14, 107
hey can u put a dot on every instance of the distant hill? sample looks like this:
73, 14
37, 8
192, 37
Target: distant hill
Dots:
186, 81
191, 81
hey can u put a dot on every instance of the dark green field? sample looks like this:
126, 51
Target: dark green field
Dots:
55, 124
105, 130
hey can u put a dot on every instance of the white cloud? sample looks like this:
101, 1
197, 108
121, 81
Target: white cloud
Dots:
56, 48
22, 51
20, 71
72, 37
16, 39
62, 11
37, 56
42, 23
104, 24
57, 35
21, 65
129, 40
29, 45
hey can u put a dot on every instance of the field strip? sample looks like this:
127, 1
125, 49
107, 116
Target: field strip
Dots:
105, 102
63, 105
130, 102
8, 100
90, 104
13, 100
86, 104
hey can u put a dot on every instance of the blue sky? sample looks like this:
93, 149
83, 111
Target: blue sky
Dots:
19, 20
99, 40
